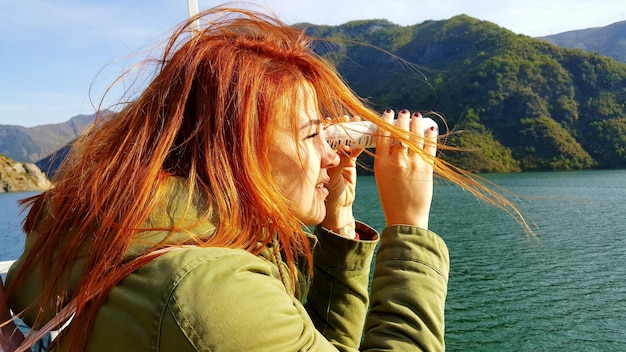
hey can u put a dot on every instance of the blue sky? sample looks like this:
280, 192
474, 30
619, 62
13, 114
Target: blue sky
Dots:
58, 56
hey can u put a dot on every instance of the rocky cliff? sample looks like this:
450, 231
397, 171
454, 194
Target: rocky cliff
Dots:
21, 177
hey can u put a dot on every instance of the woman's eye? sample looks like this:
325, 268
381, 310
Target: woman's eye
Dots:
313, 135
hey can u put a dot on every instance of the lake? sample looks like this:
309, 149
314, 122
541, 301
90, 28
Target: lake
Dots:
562, 291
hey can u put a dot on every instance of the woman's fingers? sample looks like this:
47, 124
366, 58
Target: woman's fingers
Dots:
403, 122
383, 142
404, 119
417, 128
430, 140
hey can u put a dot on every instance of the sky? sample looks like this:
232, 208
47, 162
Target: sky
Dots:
58, 57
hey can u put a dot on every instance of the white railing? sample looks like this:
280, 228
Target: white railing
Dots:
4, 266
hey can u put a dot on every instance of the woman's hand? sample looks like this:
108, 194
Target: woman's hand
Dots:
342, 187
404, 177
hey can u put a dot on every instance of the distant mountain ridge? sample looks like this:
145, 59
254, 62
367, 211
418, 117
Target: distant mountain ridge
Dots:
31, 144
608, 40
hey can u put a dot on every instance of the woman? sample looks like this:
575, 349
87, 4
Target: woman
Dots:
224, 157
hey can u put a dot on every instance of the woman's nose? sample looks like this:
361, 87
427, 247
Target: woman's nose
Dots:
330, 158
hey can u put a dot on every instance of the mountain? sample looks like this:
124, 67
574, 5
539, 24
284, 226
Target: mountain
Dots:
609, 40
518, 103
21, 177
30, 144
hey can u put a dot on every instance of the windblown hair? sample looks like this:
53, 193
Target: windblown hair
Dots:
208, 117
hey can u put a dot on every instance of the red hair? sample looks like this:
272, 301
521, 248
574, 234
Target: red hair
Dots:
208, 117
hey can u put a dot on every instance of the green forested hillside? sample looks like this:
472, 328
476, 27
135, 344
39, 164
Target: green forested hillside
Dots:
519, 102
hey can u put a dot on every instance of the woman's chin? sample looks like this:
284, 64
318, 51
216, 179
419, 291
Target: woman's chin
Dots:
314, 217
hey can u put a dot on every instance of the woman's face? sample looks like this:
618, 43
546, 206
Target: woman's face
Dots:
300, 165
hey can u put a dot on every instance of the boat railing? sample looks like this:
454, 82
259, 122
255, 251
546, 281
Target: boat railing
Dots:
4, 266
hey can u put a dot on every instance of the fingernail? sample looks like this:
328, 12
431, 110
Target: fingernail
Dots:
416, 114
388, 111
404, 111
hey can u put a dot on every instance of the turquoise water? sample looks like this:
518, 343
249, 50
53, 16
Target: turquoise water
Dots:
11, 216
563, 291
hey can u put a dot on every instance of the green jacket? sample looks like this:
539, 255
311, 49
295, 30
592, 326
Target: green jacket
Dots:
218, 299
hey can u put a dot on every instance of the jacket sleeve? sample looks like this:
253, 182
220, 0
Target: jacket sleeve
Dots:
338, 297
408, 292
